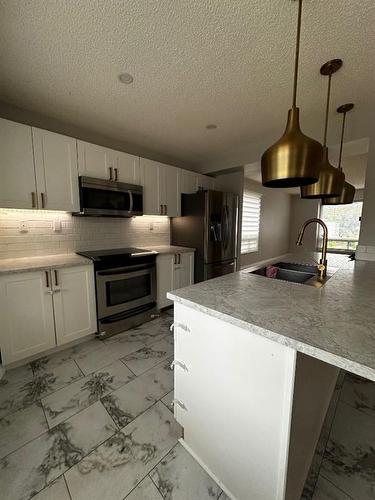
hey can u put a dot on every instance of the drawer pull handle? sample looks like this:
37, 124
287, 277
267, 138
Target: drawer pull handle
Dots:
179, 325
180, 404
180, 364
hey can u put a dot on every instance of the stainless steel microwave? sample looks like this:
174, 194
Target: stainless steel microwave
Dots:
102, 198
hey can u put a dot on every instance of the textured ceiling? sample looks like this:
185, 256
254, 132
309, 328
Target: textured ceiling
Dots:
195, 62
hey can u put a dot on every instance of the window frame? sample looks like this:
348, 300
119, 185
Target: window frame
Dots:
246, 244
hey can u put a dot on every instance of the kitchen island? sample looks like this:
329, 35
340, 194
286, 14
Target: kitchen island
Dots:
256, 362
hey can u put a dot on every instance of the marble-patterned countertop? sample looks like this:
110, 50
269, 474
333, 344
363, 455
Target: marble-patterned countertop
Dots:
170, 249
335, 323
23, 264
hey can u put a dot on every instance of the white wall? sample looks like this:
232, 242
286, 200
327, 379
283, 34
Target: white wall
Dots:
367, 234
274, 224
77, 233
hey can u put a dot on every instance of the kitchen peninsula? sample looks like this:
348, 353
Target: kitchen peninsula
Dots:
256, 362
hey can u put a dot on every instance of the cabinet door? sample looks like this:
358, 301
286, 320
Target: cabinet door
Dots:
56, 170
189, 181
27, 325
127, 168
186, 265
74, 302
17, 179
151, 187
164, 278
171, 184
205, 182
96, 161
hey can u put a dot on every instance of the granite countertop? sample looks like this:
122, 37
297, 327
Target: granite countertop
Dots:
335, 323
170, 249
24, 264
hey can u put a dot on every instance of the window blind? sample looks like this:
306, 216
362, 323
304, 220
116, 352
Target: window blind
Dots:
250, 222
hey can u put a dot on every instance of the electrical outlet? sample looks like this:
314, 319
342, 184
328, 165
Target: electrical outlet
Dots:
24, 226
57, 227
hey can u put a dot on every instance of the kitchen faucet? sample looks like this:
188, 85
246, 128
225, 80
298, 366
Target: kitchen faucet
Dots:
322, 267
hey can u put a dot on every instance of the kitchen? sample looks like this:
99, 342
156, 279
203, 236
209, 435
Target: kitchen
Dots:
131, 218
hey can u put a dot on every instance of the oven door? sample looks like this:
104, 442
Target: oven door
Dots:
126, 288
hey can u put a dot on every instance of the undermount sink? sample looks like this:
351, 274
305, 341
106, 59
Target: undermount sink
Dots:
296, 273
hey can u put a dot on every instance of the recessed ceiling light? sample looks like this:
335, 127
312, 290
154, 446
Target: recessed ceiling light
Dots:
211, 126
126, 78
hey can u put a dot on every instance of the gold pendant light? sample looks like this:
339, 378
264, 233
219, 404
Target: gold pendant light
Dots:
348, 191
295, 159
331, 179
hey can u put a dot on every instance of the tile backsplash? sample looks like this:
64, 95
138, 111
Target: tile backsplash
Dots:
31, 232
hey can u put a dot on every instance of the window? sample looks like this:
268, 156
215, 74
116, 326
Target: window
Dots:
250, 222
343, 222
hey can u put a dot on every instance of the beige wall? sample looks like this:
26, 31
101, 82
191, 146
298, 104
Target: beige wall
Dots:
301, 210
367, 234
274, 224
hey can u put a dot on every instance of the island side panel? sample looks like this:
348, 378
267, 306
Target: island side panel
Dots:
235, 397
314, 385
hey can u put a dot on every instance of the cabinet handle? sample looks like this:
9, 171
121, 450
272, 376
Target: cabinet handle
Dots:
33, 201
110, 174
42, 197
116, 174
47, 279
165, 209
161, 210
179, 258
179, 325
56, 277
180, 404
180, 364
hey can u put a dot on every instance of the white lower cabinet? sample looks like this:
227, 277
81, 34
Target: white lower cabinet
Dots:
37, 314
173, 271
74, 303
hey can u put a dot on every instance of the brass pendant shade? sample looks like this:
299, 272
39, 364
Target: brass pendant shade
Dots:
295, 159
331, 179
348, 191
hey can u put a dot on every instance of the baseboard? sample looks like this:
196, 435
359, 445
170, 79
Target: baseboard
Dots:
204, 466
365, 252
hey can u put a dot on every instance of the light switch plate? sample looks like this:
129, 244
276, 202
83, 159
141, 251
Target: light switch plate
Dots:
24, 226
57, 227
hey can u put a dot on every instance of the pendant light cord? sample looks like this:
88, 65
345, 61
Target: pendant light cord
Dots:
342, 139
327, 110
296, 61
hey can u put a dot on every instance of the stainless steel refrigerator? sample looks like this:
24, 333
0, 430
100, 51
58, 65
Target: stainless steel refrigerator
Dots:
208, 223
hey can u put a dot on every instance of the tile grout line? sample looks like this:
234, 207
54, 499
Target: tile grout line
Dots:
337, 487
67, 487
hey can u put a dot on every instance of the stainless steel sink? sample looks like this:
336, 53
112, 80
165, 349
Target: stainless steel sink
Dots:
306, 268
296, 273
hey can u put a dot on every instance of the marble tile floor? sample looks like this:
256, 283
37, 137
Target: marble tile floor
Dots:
94, 421
344, 467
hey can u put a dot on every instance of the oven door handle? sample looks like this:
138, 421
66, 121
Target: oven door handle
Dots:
131, 201
125, 270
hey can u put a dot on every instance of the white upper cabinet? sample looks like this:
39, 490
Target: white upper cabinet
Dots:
103, 163
151, 187
96, 161
205, 182
56, 171
127, 168
170, 190
74, 302
189, 182
161, 191
17, 179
